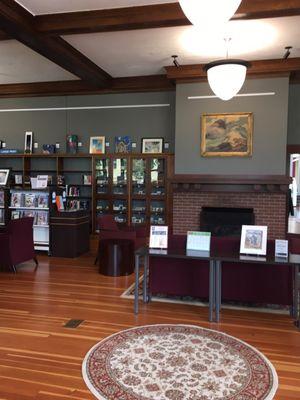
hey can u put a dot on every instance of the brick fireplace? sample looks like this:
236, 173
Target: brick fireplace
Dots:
266, 195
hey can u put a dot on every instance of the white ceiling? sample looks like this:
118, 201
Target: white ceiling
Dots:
146, 52
19, 64
38, 7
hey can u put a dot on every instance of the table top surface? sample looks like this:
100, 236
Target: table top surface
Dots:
219, 255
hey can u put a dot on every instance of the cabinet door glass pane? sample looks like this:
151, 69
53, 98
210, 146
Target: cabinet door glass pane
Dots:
157, 177
102, 174
139, 176
157, 213
120, 176
138, 212
120, 210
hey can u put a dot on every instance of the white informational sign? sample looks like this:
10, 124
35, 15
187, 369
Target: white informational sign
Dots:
42, 181
198, 241
158, 237
281, 248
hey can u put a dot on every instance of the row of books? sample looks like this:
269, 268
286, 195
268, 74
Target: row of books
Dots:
78, 205
33, 200
40, 217
73, 191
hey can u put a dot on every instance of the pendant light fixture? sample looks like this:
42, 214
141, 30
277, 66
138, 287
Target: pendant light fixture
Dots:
209, 12
226, 77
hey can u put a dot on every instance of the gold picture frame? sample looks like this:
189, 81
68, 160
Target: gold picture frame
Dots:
227, 134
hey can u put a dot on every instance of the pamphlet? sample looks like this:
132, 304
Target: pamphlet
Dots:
281, 248
198, 241
158, 237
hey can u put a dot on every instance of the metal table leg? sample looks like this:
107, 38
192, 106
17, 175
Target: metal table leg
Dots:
218, 289
136, 286
145, 282
211, 290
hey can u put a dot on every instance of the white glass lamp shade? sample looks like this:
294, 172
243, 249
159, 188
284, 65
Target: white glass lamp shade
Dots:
227, 77
205, 12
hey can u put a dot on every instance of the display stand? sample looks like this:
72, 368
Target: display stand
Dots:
69, 233
33, 203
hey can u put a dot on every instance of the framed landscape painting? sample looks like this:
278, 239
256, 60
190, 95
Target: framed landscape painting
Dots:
152, 145
227, 135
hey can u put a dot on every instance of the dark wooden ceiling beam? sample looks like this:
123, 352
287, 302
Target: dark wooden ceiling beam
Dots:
19, 24
149, 83
260, 67
153, 16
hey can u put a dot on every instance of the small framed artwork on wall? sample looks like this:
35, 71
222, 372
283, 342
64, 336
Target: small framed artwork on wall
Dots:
4, 173
227, 135
97, 144
152, 145
122, 144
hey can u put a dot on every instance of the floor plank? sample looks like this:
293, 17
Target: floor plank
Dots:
41, 359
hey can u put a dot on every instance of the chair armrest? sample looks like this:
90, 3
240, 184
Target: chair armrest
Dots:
5, 243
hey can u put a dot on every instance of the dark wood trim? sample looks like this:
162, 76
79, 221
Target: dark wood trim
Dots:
152, 83
18, 23
231, 179
153, 16
231, 183
257, 68
293, 149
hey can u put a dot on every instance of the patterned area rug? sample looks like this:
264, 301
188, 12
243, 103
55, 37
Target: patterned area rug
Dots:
177, 362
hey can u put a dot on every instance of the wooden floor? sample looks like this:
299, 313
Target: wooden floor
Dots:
40, 359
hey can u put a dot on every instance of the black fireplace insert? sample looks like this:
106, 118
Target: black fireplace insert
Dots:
225, 221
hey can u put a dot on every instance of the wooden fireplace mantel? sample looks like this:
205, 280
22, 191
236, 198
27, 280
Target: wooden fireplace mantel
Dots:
231, 183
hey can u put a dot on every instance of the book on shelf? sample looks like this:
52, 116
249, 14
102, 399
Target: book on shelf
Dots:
16, 199
41, 218
59, 203
15, 214
18, 179
1, 216
87, 179
42, 201
30, 200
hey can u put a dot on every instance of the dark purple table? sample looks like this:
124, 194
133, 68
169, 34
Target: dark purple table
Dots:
214, 263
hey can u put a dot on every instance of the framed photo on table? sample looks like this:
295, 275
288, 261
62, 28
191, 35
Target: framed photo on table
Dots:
97, 144
4, 174
152, 145
254, 240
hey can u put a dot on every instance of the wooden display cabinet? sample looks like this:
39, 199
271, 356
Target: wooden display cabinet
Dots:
133, 187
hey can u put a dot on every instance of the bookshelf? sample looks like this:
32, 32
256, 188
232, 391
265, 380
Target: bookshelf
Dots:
4, 211
134, 187
33, 203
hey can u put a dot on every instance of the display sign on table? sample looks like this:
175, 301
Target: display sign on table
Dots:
158, 237
199, 241
281, 248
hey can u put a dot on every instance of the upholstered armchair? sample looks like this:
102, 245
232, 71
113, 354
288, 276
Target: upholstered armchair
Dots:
110, 229
16, 243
